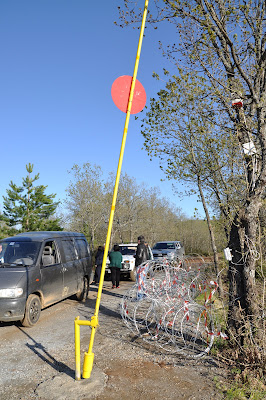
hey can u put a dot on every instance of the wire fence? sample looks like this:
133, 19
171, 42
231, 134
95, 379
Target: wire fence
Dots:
171, 305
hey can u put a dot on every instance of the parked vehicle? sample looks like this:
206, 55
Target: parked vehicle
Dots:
38, 269
128, 264
170, 249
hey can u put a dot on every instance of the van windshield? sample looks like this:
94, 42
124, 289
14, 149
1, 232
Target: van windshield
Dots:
19, 252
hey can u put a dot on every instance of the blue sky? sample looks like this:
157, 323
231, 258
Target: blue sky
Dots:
59, 59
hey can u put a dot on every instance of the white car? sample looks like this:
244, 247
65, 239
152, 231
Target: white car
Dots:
128, 264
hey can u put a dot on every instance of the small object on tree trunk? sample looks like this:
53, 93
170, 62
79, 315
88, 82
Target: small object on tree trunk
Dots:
237, 103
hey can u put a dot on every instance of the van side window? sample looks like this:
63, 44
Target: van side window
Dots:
50, 254
69, 250
82, 248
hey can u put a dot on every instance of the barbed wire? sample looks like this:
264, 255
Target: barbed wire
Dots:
171, 305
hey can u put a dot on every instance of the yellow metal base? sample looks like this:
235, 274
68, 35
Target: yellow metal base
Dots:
87, 366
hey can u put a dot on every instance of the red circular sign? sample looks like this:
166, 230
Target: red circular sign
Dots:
120, 94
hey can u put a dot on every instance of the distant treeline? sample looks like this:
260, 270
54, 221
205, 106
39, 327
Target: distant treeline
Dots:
139, 210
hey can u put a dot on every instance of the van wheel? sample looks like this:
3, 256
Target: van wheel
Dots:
133, 275
82, 294
32, 311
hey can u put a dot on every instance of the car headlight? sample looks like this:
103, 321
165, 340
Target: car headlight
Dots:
16, 292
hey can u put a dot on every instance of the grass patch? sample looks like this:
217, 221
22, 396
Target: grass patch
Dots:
252, 389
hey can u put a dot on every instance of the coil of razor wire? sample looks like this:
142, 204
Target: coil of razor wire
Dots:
171, 305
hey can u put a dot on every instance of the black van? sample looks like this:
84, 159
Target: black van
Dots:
38, 269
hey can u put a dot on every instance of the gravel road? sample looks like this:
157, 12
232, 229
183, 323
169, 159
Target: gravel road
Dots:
39, 362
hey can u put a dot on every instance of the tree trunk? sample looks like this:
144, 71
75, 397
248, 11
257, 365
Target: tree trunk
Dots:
250, 224
235, 277
243, 300
213, 244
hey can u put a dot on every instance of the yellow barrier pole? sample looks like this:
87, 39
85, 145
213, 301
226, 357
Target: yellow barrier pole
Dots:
89, 356
77, 349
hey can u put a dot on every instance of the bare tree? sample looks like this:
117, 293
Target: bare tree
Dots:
86, 202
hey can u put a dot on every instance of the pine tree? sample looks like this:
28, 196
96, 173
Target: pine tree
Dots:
29, 207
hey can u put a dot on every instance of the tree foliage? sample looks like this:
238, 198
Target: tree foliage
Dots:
220, 50
28, 208
139, 210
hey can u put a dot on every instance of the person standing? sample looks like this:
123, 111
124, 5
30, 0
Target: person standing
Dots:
1, 255
98, 263
141, 256
141, 252
115, 258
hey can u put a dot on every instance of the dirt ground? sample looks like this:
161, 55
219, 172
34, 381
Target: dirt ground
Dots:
39, 362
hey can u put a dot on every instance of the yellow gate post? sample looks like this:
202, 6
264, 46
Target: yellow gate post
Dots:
89, 356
